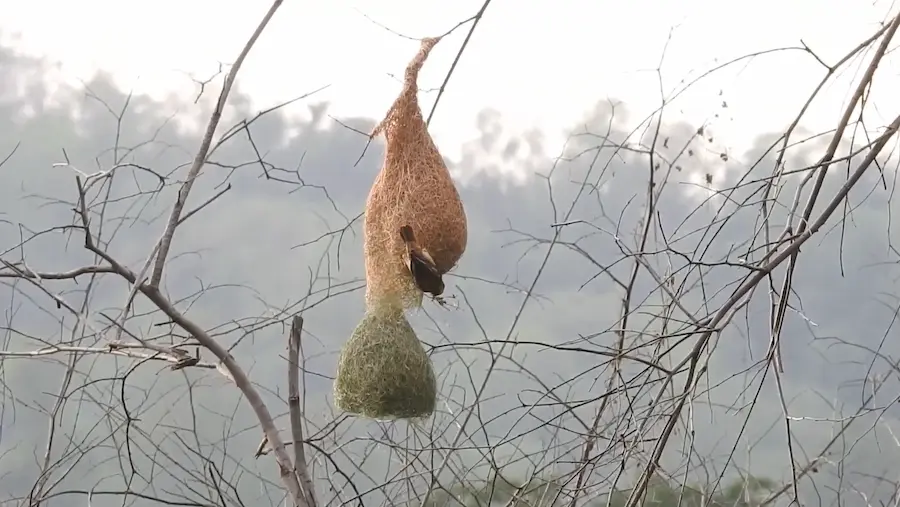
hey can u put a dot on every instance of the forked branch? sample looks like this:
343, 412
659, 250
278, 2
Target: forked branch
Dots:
160, 253
709, 326
165, 242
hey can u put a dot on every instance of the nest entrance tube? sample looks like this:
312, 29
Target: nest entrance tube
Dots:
384, 372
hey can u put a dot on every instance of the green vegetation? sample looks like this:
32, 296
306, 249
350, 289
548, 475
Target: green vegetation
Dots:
742, 492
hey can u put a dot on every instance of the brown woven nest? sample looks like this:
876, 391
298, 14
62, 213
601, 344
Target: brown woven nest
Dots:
413, 188
384, 372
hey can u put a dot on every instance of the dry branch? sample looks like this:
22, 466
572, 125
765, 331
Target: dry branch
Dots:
160, 253
165, 242
790, 251
296, 410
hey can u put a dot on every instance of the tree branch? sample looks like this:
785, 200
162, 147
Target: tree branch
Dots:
165, 242
296, 411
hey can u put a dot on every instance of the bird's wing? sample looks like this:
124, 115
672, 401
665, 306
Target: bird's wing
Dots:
427, 257
407, 259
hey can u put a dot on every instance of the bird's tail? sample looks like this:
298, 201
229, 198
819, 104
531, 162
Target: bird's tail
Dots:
406, 233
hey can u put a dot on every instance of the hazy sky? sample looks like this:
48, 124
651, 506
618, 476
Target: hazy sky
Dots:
235, 264
539, 64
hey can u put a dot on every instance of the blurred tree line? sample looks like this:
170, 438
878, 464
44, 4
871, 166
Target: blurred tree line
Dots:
742, 492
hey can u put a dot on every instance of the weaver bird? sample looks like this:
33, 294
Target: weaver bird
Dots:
421, 265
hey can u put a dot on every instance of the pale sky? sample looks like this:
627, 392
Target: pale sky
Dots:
539, 63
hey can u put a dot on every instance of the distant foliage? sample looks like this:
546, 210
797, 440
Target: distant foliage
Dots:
742, 492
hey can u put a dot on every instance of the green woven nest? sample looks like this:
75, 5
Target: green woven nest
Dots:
384, 372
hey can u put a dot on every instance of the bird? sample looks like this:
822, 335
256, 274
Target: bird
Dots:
420, 264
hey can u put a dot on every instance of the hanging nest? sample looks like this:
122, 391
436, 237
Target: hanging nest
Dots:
384, 372
413, 188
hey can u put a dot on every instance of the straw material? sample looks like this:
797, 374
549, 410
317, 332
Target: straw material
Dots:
384, 372
413, 188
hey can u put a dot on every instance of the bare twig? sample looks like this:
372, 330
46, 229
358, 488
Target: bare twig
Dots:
165, 242
462, 48
300, 464
788, 252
